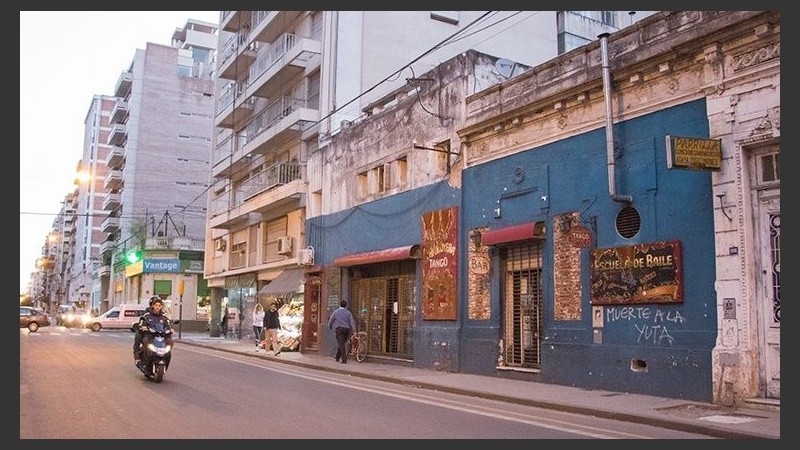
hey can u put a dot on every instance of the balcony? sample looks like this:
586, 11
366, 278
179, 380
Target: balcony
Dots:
115, 157
120, 111
233, 108
110, 225
113, 180
277, 189
107, 247
273, 25
236, 55
280, 122
124, 83
222, 162
284, 60
118, 134
111, 201
104, 270
232, 21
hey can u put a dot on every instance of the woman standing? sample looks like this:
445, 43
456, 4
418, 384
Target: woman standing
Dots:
272, 324
258, 323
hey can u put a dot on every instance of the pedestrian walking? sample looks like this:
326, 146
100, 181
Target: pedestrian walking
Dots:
258, 323
343, 323
272, 324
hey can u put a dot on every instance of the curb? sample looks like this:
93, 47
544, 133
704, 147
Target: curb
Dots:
606, 414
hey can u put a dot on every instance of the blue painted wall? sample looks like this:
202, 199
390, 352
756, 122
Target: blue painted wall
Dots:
675, 341
570, 175
395, 221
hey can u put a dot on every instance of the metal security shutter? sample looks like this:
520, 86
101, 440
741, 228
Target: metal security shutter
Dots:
383, 305
522, 304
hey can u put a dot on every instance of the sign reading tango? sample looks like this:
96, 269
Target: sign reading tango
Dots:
644, 273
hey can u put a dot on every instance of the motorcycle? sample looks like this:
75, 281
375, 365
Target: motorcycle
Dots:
156, 352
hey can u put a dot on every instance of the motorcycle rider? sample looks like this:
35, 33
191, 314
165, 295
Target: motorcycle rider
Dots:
137, 337
149, 320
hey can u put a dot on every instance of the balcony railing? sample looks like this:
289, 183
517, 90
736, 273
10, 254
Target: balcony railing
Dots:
229, 93
124, 84
118, 134
119, 112
110, 225
272, 114
116, 155
111, 202
273, 54
113, 179
272, 177
227, 147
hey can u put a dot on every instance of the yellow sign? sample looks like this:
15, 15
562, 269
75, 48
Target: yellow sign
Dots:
694, 153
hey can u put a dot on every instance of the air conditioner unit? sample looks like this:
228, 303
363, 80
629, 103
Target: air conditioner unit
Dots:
285, 245
305, 256
221, 245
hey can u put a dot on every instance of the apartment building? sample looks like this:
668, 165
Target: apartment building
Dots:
90, 222
153, 146
288, 81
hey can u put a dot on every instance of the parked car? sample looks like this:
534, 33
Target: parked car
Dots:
77, 318
33, 318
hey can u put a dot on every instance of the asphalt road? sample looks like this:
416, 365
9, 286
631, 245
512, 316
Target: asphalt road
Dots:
78, 384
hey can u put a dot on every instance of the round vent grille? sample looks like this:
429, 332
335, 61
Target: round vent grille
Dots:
628, 222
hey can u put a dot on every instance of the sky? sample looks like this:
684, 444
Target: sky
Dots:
65, 58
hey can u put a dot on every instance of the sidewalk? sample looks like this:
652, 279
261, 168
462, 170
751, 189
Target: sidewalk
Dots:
756, 420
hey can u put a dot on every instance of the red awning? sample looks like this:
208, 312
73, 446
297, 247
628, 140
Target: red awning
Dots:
530, 230
389, 254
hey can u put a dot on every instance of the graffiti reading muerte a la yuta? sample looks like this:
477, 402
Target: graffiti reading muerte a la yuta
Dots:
652, 324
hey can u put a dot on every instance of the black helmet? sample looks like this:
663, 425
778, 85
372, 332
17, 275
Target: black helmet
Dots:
154, 298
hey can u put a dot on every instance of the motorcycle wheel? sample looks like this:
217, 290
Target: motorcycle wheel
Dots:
159, 375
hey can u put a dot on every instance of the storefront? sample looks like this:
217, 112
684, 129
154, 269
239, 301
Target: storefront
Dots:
287, 291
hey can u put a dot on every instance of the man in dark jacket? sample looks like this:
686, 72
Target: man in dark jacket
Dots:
150, 319
137, 337
272, 324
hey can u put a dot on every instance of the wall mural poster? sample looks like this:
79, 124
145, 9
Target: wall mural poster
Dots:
439, 264
644, 273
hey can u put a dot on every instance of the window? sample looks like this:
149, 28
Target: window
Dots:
363, 184
769, 168
313, 91
238, 254
273, 230
380, 178
316, 25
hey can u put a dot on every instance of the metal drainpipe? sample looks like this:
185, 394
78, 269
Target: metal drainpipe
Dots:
612, 182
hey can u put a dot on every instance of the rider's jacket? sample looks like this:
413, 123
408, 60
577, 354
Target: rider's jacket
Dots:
151, 319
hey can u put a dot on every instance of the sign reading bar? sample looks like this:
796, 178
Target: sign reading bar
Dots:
694, 153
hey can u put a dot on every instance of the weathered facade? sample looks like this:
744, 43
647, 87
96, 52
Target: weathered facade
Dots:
730, 63
589, 251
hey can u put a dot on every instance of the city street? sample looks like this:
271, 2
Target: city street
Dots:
75, 383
